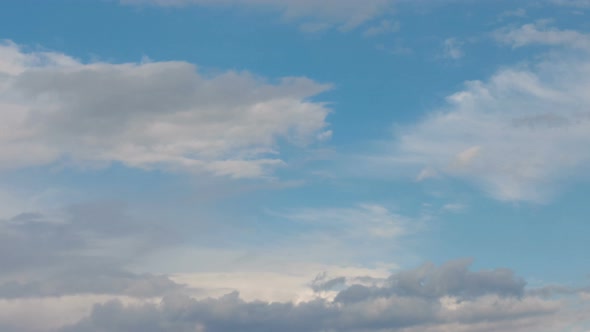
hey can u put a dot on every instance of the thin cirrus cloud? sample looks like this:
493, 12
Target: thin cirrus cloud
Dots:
159, 115
313, 15
541, 33
516, 135
377, 221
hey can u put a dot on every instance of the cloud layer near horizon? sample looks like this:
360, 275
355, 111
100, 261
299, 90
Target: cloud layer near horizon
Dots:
429, 298
77, 264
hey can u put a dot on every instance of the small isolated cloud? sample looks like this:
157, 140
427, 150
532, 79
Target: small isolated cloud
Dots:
454, 207
313, 15
453, 49
383, 27
520, 12
150, 115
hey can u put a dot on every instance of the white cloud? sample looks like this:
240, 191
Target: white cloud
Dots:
150, 115
518, 135
315, 14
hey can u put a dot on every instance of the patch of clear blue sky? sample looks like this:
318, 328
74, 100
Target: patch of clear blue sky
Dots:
373, 90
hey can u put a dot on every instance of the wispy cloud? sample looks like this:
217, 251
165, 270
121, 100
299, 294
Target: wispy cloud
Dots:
383, 27
342, 14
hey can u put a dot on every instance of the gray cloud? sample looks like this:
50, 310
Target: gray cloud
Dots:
74, 282
428, 298
84, 249
451, 279
160, 115
320, 283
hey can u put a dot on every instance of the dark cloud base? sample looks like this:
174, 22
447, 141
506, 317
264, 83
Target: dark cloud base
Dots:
429, 298
74, 255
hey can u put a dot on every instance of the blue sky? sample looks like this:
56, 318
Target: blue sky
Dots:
389, 165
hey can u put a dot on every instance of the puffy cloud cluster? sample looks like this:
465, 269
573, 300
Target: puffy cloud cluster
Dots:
150, 115
430, 298
68, 264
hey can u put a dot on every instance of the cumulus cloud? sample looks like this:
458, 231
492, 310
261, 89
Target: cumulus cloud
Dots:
159, 115
429, 298
518, 135
322, 14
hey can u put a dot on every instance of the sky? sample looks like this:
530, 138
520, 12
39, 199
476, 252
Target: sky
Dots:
294, 165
